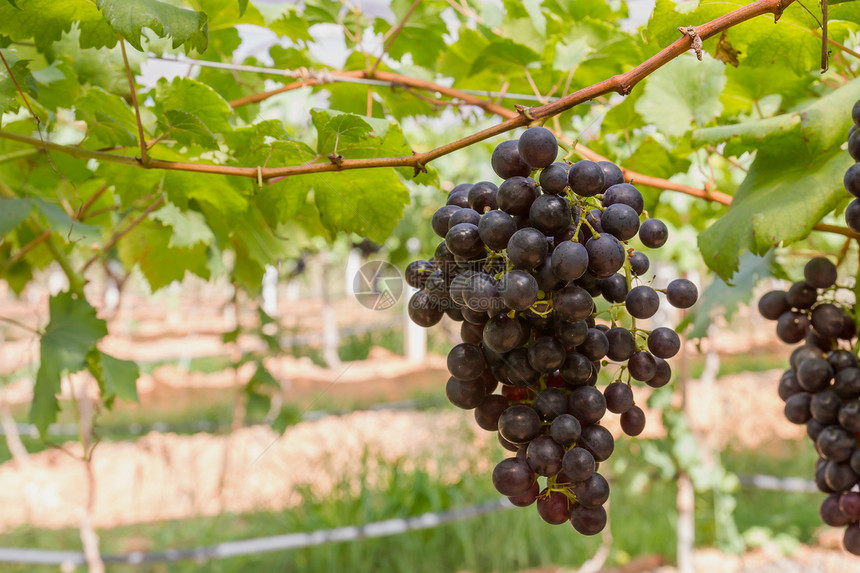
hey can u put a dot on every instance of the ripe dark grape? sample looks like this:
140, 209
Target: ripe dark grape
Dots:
587, 405
518, 289
569, 261
595, 345
852, 180
597, 440
572, 333
513, 476
801, 295
496, 228
538, 147
828, 320
614, 288
578, 464
527, 248
553, 507
422, 310
830, 512
797, 408
626, 194
612, 175
588, 520
619, 397
664, 342
633, 421
519, 424
506, 160
546, 354
681, 293
773, 304
553, 179
642, 301
642, 366
488, 411
621, 344
482, 196
792, 327
466, 361
550, 214
459, 195
662, 375
441, 218
620, 220
852, 215
566, 429
572, 303
835, 443
605, 255
465, 394
417, 272
464, 216
544, 456
527, 498
639, 263
653, 234
788, 385
586, 178
516, 195
814, 374
592, 492
550, 403
820, 273
463, 240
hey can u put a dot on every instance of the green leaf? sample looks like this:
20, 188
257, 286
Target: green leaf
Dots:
192, 96
9, 95
110, 120
130, 17
148, 246
45, 21
682, 93
568, 56
72, 331
187, 129
70, 230
12, 213
243, 5
723, 299
503, 56
189, 227
339, 130
116, 378
778, 203
291, 25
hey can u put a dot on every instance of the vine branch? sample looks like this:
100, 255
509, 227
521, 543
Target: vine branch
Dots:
144, 154
622, 84
394, 33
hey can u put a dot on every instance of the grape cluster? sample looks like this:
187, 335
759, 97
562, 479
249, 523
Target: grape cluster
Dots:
520, 266
852, 175
822, 387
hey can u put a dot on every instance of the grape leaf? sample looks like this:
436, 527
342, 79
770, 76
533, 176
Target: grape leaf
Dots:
148, 246
187, 129
12, 213
339, 131
130, 17
8, 90
116, 378
72, 331
45, 21
189, 227
778, 203
683, 92
225, 14
69, 229
188, 95
291, 25
504, 56
110, 120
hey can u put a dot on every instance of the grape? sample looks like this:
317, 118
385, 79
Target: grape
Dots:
619, 397
597, 440
626, 194
465, 394
773, 304
592, 492
586, 178
614, 288
578, 464
801, 295
527, 248
546, 354
464, 216
544, 456
546, 279
621, 344
506, 160
849, 504
681, 293
612, 175
664, 342
572, 303
814, 374
459, 195
496, 228
639, 263
852, 215
519, 424
620, 220
569, 261
827, 320
553, 507
854, 146
553, 179
848, 415
851, 539
662, 375
792, 327
482, 196
841, 359
852, 180
441, 217
642, 302
516, 195
846, 383
471, 333
527, 498
839, 476
550, 403
588, 520
422, 310
586, 404
518, 289
550, 214
463, 239
835, 443
417, 272
855, 113
576, 370
503, 333
466, 361
633, 421
538, 147
572, 333
595, 345
653, 234
642, 366
825, 406
566, 429
820, 273
830, 512
488, 411
513, 476
788, 385
797, 408
605, 255
520, 371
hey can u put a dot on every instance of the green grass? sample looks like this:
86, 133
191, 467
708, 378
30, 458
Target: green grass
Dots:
642, 522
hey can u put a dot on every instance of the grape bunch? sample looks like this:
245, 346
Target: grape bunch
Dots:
852, 175
821, 389
520, 266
